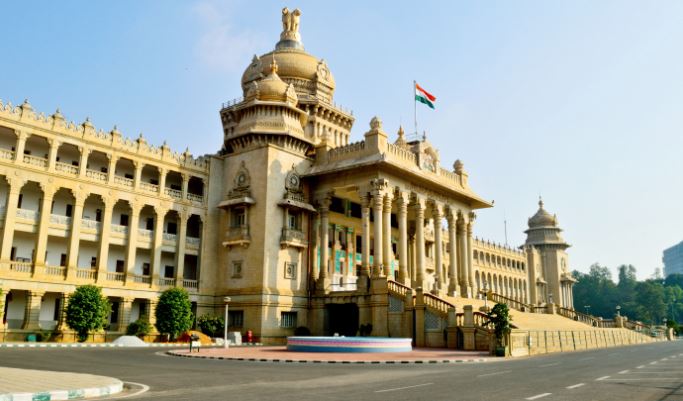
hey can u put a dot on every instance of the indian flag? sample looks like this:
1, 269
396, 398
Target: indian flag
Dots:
423, 96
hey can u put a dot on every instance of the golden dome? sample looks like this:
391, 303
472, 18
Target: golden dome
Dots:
542, 218
272, 88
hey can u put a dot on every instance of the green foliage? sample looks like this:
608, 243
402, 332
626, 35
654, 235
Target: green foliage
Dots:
140, 328
87, 310
174, 312
499, 317
211, 325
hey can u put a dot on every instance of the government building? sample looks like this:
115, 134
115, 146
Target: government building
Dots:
293, 221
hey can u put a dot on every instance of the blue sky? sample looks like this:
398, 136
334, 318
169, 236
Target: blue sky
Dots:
579, 101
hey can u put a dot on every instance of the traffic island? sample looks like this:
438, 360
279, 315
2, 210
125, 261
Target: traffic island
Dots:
29, 384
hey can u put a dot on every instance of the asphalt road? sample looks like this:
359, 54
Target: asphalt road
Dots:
646, 372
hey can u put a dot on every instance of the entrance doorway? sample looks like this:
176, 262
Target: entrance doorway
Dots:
341, 319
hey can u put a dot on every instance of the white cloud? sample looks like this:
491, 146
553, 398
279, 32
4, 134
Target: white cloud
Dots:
221, 46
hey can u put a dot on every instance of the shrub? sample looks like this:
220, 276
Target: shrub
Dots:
499, 318
365, 330
174, 312
302, 331
211, 325
87, 310
139, 328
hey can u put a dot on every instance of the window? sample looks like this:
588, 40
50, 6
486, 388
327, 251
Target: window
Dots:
342, 237
355, 210
337, 205
235, 318
129, 176
21, 198
145, 269
359, 243
172, 228
55, 315
93, 262
237, 269
168, 271
123, 220
294, 220
119, 266
114, 317
150, 223
98, 215
62, 260
238, 217
288, 319
69, 210
290, 270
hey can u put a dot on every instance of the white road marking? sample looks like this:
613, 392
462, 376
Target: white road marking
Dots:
143, 389
403, 388
585, 359
623, 372
665, 359
602, 378
495, 373
538, 396
653, 363
576, 386
549, 364
613, 353
649, 379
640, 367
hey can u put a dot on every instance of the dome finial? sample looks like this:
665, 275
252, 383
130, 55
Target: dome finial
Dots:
540, 202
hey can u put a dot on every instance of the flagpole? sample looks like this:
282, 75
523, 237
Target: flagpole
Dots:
415, 105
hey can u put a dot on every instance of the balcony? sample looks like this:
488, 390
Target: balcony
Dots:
86, 274
123, 181
21, 266
59, 271
60, 220
96, 175
67, 169
141, 279
90, 224
237, 236
114, 276
166, 281
173, 193
30, 215
145, 234
195, 198
146, 186
191, 284
294, 238
119, 229
192, 243
6, 154
35, 161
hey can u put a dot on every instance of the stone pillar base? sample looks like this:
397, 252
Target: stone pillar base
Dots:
469, 342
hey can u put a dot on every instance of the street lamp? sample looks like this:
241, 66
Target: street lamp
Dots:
486, 294
618, 310
225, 323
587, 308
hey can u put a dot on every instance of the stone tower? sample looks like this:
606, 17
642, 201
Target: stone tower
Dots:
550, 280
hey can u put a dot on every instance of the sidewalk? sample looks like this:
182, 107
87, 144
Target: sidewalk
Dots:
28, 384
280, 354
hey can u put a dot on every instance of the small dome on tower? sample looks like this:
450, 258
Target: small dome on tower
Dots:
542, 218
272, 88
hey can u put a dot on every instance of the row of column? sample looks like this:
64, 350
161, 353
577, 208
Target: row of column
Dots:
111, 169
567, 295
49, 191
458, 278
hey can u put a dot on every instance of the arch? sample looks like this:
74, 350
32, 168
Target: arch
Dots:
477, 279
68, 158
97, 165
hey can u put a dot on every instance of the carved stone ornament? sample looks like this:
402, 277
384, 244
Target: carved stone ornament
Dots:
376, 123
252, 91
242, 179
293, 181
323, 72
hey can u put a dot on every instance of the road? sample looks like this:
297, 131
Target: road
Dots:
645, 372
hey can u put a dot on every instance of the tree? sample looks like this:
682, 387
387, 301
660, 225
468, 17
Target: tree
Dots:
139, 328
174, 312
88, 310
499, 317
211, 325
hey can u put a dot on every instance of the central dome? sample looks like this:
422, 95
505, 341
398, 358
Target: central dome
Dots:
542, 218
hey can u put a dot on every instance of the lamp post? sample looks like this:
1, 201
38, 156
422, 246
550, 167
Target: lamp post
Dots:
587, 308
486, 294
225, 323
618, 310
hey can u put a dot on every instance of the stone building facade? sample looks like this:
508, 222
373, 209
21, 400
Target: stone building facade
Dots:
298, 226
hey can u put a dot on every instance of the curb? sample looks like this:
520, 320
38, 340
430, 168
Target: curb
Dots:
65, 394
394, 362
108, 345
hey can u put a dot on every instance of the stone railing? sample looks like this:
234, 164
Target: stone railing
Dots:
192, 242
146, 186
578, 316
347, 151
193, 284
512, 303
6, 154
115, 228
170, 237
113, 276
402, 153
237, 234
173, 193
61, 220
398, 289
195, 198
141, 279
86, 274
35, 161
96, 175
66, 168
123, 181
91, 224
293, 237
21, 267
166, 281
145, 234
437, 303
607, 323
28, 214
55, 270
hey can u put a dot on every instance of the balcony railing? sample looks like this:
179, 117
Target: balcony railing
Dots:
173, 193
123, 181
142, 279
146, 186
237, 235
35, 161
192, 242
194, 284
6, 154
66, 168
144, 233
62, 220
92, 224
166, 281
293, 237
28, 214
21, 267
86, 274
55, 271
96, 175
195, 198
170, 237
113, 276
116, 228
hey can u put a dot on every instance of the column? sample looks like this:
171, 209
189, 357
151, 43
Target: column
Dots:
43, 225
157, 244
403, 238
186, 180
75, 239
63, 304
132, 239
52, 154
378, 204
21, 145
386, 236
438, 245
470, 264
462, 261
412, 258
419, 209
125, 308
151, 315
103, 252
180, 248
111, 169
315, 246
15, 185
32, 310
83, 162
365, 217
3, 300
453, 254
162, 181
324, 211
138, 173
350, 252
